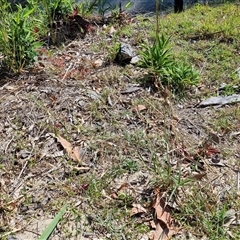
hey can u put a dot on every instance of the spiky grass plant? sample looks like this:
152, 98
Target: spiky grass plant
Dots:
18, 41
158, 59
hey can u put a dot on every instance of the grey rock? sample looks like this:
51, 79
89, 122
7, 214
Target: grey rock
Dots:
93, 95
135, 60
125, 54
220, 100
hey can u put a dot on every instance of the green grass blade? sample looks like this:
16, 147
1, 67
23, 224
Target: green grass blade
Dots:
48, 231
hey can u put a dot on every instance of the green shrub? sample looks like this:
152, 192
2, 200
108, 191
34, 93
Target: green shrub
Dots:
158, 59
18, 41
48, 12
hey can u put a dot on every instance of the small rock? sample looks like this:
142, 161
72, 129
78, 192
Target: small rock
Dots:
23, 154
98, 63
135, 60
125, 53
234, 134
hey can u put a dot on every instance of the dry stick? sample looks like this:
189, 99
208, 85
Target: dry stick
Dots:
157, 18
70, 65
11, 232
145, 99
20, 174
22, 170
43, 173
16, 230
10, 91
7, 145
194, 125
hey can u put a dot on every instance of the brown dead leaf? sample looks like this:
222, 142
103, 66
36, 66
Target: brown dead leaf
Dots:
163, 220
166, 93
207, 151
12, 206
73, 152
198, 176
139, 108
124, 186
113, 195
162, 211
112, 30
137, 208
162, 232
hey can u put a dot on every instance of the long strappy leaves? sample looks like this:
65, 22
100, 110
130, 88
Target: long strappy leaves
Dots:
48, 231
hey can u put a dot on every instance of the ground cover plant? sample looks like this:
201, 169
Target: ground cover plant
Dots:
93, 149
18, 42
177, 76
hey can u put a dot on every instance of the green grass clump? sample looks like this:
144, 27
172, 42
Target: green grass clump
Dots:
177, 76
18, 41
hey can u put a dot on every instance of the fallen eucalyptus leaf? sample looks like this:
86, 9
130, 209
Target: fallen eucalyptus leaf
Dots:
73, 152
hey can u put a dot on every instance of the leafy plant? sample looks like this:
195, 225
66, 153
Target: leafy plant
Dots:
113, 50
158, 59
130, 165
157, 56
179, 76
128, 5
229, 89
18, 41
